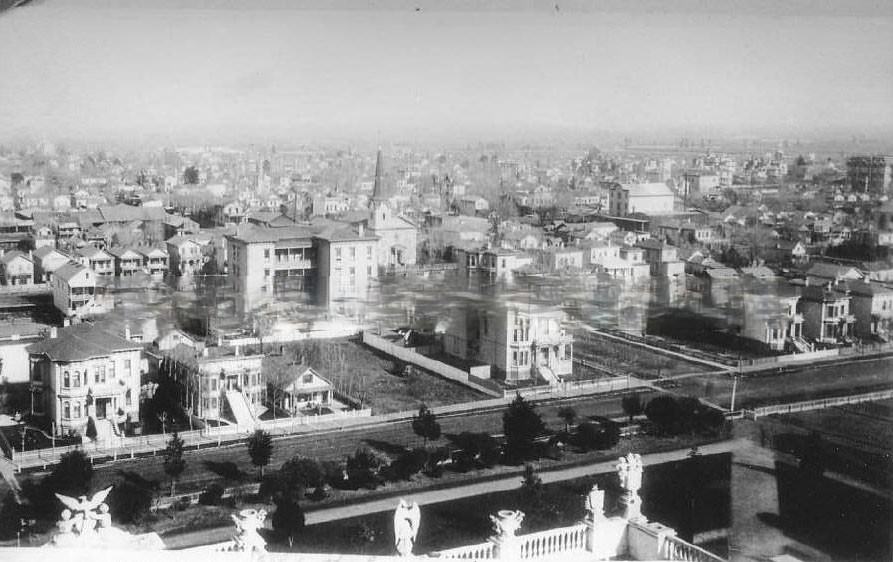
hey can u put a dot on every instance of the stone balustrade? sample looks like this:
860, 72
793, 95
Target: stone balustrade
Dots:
481, 551
675, 548
553, 541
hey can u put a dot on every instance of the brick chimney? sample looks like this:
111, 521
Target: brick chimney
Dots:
54, 332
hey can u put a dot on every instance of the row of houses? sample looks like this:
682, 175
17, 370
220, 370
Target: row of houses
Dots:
88, 371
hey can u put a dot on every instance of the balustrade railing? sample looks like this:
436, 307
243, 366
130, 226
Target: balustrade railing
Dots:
553, 541
482, 551
677, 549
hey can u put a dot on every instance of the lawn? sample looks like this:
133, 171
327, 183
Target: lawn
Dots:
369, 377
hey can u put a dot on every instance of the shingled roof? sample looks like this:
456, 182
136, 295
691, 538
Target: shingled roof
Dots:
81, 342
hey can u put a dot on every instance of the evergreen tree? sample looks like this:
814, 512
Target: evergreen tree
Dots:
260, 449
425, 425
174, 463
521, 425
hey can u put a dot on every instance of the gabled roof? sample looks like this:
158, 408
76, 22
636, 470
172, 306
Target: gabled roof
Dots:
44, 251
13, 255
69, 271
91, 252
120, 252
150, 251
81, 342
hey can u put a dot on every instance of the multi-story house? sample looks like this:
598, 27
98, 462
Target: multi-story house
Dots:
774, 321
100, 261
519, 340
267, 260
16, 268
220, 382
563, 258
155, 260
662, 258
74, 290
81, 372
348, 262
47, 260
872, 305
187, 254
499, 263
127, 261
827, 316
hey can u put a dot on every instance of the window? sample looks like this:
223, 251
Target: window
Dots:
567, 352
369, 252
111, 369
213, 385
128, 400
353, 252
267, 254
308, 378
245, 379
338, 254
77, 379
66, 410
369, 270
266, 273
213, 403
66, 380
514, 359
127, 368
77, 410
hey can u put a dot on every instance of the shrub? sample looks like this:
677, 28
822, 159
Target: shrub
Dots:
211, 495
408, 464
591, 435
129, 503
521, 425
301, 473
182, 504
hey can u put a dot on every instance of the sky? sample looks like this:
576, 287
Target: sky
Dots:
189, 70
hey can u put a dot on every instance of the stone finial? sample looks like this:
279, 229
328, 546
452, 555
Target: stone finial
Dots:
629, 469
506, 522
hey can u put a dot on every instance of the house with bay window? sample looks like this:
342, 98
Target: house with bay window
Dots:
83, 372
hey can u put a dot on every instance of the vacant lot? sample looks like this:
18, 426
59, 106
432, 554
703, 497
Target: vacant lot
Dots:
610, 356
367, 376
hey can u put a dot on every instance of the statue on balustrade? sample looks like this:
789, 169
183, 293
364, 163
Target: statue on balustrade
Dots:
406, 527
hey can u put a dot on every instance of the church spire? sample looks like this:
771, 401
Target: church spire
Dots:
377, 190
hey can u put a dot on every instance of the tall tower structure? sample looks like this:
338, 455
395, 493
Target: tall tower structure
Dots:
378, 195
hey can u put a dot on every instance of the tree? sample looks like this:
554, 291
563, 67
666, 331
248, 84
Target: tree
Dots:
260, 449
664, 413
300, 473
532, 485
568, 414
592, 435
425, 425
521, 426
73, 474
129, 502
288, 519
632, 405
174, 463
91, 429
190, 175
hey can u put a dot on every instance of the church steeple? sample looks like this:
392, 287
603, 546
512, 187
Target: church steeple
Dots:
377, 189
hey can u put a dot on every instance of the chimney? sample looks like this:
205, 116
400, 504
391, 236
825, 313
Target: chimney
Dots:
54, 332
204, 352
237, 351
127, 332
361, 229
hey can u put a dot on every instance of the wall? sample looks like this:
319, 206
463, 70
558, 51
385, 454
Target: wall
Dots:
410, 356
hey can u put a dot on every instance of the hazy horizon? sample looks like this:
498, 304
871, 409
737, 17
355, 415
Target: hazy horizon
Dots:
216, 71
